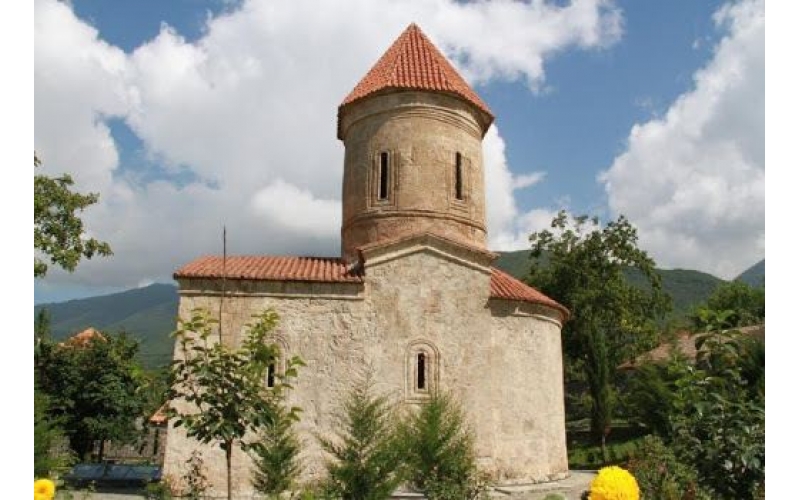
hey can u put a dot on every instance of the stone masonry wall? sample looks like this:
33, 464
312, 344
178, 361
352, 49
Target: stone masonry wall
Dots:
530, 443
421, 132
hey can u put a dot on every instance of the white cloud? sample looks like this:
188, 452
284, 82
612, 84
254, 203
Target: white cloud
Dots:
250, 109
296, 210
508, 228
78, 81
693, 180
527, 180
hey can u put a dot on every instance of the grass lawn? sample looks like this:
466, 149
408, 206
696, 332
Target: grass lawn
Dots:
584, 453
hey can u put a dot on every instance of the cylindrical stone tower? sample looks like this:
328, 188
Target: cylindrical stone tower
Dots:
412, 130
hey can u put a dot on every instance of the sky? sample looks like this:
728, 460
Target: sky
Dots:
190, 115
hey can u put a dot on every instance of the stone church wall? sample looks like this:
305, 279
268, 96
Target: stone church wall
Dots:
502, 362
530, 442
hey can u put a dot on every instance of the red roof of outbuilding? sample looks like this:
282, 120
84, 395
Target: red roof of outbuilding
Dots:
270, 268
413, 62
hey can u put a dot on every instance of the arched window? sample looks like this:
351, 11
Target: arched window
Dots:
422, 370
277, 368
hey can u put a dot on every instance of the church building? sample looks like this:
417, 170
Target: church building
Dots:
413, 295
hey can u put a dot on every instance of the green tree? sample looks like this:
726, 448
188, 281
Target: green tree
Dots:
276, 455
58, 231
93, 389
440, 451
367, 458
225, 387
46, 437
581, 265
732, 304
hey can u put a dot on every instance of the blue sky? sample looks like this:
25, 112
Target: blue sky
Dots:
187, 115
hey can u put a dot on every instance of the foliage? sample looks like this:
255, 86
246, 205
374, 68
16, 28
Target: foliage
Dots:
47, 459
225, 387
195, 479
612, 320
367, 457
154, 389
93, 388
43, 489
718, 419
614, 483
58, 232
661, 475
713, 413
440, 449
736, 303
650, 394
276, 455
158, 491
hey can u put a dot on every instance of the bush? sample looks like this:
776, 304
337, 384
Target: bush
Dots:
367, 458
440, 452
650, 394
718, 420
158, 491
661, 475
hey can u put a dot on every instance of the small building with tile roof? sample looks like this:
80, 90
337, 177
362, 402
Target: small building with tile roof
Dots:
83, 338
413, 297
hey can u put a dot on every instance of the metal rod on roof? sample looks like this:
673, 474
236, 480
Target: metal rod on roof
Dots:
224, 275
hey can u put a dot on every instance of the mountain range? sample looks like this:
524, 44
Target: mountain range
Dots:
148, 314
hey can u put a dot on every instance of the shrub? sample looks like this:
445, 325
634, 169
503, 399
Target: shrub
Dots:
440, 452
661, 475
158, 491
718, 421
367, 459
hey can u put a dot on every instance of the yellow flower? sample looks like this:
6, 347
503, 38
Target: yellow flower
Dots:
614, 483
43, 489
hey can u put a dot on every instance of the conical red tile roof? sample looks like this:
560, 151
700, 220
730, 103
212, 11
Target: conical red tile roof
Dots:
414, 63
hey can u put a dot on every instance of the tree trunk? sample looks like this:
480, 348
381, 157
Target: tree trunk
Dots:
228, 456
603, 449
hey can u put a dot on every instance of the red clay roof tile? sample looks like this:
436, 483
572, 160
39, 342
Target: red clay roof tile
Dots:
270, 268
413, 62
505, 286
333, 270
83, 338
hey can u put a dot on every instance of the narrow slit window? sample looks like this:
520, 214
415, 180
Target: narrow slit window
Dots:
383, 188
459, 178
421, 371
271, 375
